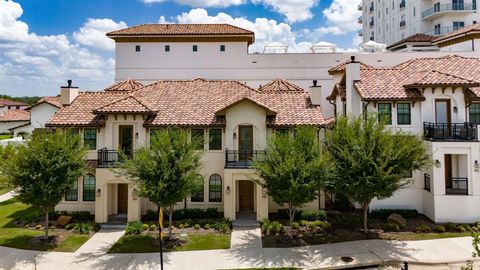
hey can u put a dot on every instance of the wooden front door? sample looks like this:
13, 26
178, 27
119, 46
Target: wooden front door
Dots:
125, 139
245, 142
245, 193
122, 203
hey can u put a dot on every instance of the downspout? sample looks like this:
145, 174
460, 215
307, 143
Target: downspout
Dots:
334, 108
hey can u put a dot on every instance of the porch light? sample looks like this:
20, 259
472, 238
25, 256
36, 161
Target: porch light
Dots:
99, 192
477, 165
228, 190
455, 109
234, 136
136, 135
437, 163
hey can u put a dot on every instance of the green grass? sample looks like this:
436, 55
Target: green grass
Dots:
3, 186
5, 136
145, 243
427, 236
13, 236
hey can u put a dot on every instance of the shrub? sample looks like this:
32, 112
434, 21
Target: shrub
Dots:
423, 229
207, 226
283, 214
275, 227
451, 226
222, 225
196, 226
439, 229
302, 222
151, 215
181, 226
145, 227
323, 225
38, 227
388, 227
461, 228
468, 228
342, 221
79, 216
153, 227
295, 225
384, 213
69, 226
195, 213
134, 228
83, 228
313, 215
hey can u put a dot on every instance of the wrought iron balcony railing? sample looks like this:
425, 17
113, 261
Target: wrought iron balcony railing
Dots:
457, 186
447, 8
242, 159
450, 131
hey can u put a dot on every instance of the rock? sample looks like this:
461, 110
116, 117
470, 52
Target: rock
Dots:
397, 219
63, 220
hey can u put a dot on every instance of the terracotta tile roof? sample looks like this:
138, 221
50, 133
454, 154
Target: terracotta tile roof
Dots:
413, 38
180, 29
434, 77
191, 103
7, 102
15, 115
460, 32
128, 104
126, 85
280, 85
54, 101
341, 67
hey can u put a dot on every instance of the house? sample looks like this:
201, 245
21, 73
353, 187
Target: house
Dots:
234, 119
40, 113
438, 99
12, 114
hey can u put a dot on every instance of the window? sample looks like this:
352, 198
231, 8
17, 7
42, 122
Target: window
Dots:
403, 114
458, 25
137, 48
198, 195
215, 188
90, 138
215, 139
167, 48
474, 113
199, 135
281, 131
195, 48
73, 131
438, 29
89, 188
414, 12
72, 194
222, 48
385, 113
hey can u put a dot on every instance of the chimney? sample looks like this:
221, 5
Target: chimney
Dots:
352, 74
68, 93
315, 93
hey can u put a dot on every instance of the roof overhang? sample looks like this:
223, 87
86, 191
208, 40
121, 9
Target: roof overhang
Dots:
461, 37
249, 38
224, 109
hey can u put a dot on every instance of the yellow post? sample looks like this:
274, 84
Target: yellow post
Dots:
160, 222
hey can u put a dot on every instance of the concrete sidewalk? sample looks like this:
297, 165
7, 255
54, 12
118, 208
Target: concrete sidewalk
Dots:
449, 253
101, 241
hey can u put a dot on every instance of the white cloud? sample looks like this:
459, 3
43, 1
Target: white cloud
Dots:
341, 17
201, 3
32, 64
92, 33
294, 10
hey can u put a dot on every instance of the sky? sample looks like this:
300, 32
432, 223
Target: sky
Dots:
45, 42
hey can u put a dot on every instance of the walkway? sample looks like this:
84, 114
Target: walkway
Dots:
443, 253
101, 241
7, 196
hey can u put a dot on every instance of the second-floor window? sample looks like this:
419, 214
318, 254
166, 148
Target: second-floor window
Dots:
404, 114
385, 113
458, 25
215, 139
474, 113
90, 138
198, 134
195, 48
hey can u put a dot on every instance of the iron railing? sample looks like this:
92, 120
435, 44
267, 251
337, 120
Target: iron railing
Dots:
457, 186
426, 182
403, 23
447, 7
450, 131
242, 158
107, 158
439, 31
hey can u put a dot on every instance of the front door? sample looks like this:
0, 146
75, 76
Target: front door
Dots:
125, 139
245, 142
122, 200
245, 193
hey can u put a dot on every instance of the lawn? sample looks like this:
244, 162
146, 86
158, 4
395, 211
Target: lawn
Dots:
145, 243
5, 136
11, 235
3, 186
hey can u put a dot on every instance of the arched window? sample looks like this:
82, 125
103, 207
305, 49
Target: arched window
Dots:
89, 188
215, 188
72, 194
198, 196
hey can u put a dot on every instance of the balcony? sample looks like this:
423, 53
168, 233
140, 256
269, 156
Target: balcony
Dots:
240, 159
439, 31
107, 158
451, 8
371, 8
402, 4
450, 131
371, 23
403, 23
360, 7
456, 186
360, 33
360, 19
426, 182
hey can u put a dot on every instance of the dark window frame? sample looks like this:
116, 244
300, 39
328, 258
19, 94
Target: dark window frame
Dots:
215, 187
72, 194
474, 116
167, 48
212, 145
382, 112
404, 117
88, 192
202, 136
138, 48
90, 142
199, 196
195, 48
222, 48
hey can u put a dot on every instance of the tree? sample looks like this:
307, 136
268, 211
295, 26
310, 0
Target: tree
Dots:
167, 171
371, 160
43, 170
294, 168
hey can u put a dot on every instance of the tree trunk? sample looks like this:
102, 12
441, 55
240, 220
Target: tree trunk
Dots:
365, 216
170, 220
46, 223
291, 213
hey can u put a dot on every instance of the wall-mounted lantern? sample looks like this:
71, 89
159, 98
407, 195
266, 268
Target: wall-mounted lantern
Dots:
99, 192
476, 164
228, 190
136, 135
455, 109
437, 163
234, 136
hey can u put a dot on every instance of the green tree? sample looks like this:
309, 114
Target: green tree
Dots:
167, 171
43, 170
294, 168
372, 160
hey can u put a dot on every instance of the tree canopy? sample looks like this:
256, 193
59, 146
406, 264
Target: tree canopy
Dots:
372, 160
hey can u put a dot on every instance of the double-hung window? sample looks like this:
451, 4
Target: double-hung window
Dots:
90, 138
72, 194
215, 139
89, 188
385, 113
474, 113
404, 114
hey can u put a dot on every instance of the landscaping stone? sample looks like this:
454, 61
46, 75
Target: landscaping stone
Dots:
397, 219
64, 220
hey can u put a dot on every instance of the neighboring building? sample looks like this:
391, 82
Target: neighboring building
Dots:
234, 120
11, 118
186, 51
40, 113
391, 21
6, 104
438, 99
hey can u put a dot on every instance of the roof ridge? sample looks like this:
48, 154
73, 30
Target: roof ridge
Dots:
122, 99
452, 75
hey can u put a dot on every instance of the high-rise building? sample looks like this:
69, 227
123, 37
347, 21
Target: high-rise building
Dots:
388, 21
